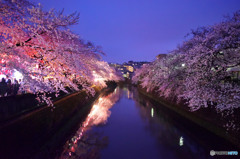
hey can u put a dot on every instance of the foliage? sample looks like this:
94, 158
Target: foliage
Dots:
40, 45
199, 71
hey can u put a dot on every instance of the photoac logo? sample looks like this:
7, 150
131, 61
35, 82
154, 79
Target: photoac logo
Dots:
213, 153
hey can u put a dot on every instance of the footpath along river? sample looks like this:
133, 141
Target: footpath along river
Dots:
126, 125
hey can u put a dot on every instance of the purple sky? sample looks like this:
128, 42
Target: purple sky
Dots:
140, 29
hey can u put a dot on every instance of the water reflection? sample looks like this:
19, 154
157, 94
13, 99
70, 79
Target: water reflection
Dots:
183, 138
152, 112
181, 141
166, 128
138, 128
86, 144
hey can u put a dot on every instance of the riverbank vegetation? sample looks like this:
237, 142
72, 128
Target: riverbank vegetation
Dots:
203, 72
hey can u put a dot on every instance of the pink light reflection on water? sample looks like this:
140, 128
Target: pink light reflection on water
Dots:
98, 115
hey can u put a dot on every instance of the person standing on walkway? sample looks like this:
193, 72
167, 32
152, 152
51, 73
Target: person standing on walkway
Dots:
3, 87
9, 87
16, 86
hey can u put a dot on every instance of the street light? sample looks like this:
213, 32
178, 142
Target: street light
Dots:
18, 75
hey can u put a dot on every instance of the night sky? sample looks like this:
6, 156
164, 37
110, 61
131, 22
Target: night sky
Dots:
140, 29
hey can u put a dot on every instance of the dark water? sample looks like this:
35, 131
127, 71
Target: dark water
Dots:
122, 124
127, 125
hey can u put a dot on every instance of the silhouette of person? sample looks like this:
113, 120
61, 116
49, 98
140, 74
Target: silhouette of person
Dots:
15, 87
9, 87
3, 87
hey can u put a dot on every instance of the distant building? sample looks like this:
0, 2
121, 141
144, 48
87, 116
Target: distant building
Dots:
127, 68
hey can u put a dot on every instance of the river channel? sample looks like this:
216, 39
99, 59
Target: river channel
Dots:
126, 125
120, 124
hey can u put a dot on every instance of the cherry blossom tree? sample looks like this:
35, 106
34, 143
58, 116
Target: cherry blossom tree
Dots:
209, 55
163, 76
40, 45
199, 71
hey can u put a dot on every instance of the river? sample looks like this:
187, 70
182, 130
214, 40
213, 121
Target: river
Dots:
120, 124
126, 125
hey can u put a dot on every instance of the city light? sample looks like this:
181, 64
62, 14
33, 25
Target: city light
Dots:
18, 75
152, 112
181, 141
2, 76
99, 80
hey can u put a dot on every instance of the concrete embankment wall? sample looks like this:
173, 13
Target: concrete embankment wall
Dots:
39, 126
207, 120
13, 106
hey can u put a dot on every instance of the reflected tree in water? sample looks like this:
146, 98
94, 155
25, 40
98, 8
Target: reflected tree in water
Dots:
85, 144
